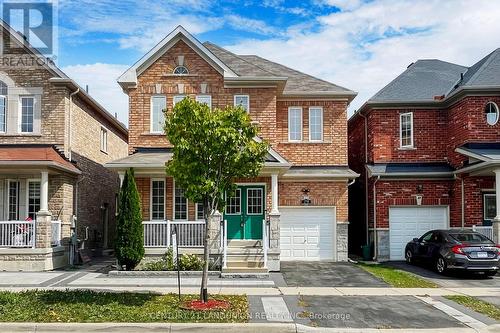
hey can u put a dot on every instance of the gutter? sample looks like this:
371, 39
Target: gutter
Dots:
70, 121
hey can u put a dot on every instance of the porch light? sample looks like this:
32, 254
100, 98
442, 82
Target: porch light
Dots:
305, 197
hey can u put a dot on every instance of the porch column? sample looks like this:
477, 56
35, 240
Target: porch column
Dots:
496, 220
43, 229
274, 194
44, 192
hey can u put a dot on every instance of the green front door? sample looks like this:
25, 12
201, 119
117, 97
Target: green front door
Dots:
245, 212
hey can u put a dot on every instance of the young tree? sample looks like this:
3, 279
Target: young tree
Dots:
211, 149
129, 246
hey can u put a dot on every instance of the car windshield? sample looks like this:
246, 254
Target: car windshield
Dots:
470, 238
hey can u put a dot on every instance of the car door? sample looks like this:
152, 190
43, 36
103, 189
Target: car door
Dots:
423, 245
434, 245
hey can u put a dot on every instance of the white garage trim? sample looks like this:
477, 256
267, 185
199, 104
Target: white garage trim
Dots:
408, 222
323, 215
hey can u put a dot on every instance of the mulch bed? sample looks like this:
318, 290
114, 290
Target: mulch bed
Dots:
212, 304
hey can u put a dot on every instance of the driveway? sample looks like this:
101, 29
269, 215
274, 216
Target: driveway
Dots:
327, 274
452, 280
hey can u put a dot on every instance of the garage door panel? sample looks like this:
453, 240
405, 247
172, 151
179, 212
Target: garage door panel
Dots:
406, 223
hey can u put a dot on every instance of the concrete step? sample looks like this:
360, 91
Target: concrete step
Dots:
245, 250
244, 270
245, 264
245, 257
244, 243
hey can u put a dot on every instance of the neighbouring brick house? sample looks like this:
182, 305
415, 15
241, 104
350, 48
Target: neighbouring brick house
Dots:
302, 190
427, 147
54, 140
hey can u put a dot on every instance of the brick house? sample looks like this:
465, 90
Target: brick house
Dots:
297, 208
54, 139
427, 148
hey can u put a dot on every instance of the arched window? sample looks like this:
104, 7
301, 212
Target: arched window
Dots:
492, 113
181, 70
3, 106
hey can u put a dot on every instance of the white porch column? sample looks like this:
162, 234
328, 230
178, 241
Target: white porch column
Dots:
44, 192
496, 220
274, 194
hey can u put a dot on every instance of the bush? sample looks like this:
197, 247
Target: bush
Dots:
129, 245
187, 262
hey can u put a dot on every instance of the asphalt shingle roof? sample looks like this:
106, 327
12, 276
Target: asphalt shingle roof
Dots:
486, 72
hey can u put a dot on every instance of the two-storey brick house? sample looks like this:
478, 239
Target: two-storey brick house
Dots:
302, 189
54, 140
427, 148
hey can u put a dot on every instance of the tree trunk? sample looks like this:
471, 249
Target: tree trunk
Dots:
206, 256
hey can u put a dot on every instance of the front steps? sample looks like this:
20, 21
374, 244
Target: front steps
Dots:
245, 258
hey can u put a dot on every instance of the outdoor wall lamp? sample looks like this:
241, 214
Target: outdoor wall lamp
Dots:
420, 188
305, 197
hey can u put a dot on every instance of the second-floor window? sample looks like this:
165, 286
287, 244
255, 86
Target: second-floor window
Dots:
3, 107
158, 104
315, 124
104, 140
294, 124
27, 114
243, 101
406, 130
158, 199
204, 99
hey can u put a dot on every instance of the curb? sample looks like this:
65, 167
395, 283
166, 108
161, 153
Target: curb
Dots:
207, 328
159, 273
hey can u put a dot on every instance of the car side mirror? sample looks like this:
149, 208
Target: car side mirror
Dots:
415, 239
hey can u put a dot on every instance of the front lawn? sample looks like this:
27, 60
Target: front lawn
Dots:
477, 305
90, 306
397, 278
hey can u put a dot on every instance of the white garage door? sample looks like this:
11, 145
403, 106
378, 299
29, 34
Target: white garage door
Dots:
406, 223
307, 233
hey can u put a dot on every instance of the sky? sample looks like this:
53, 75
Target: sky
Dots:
361, 45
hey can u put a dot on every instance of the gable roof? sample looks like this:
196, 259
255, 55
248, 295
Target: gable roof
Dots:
484, 73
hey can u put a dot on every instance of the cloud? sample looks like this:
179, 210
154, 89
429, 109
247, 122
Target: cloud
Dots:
101, 79
238, 22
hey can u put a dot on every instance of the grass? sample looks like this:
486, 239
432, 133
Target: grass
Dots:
90, 306
477, 305
397, 278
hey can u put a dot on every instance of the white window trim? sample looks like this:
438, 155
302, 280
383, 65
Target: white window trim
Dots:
151, 198
261, 190
495, 105
173, 206
242, 95
7, 211
196, 212
225, 209
177, 96
103, 147
204, 95
28, 181
301, 123
20, 113
151, 112
485, 195
6, 101
401, 115
321, 112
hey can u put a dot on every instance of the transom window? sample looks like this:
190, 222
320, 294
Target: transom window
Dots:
180, 204
406, 130
158, 104
33, 198
204, 99
492, 113
315, 124
254, 201
181, 70
27, 114
490, 206
3, 106
233, 203
158, 199
243, 101
294, 124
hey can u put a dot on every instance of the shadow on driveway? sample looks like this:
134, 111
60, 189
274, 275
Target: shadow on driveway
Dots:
327, 274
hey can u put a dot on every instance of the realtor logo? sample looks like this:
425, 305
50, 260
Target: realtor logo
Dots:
35, 20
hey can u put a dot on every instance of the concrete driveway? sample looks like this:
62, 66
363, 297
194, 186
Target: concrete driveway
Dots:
327, 274
451, 280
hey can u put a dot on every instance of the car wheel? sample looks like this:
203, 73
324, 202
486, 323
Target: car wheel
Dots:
440, 265
409, 257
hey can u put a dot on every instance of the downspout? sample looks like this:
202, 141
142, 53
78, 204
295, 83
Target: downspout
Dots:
70, 120
367, 233
375, 236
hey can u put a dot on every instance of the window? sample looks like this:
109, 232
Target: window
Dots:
177, 99
406, 130
33, 198
27, 114
427, 237
157, 199
3, 107
200, 214
180, 204
181, 70
158, 104
104, 140
315, 124
254, 201
489, 206
13, 201
492, 113
294, 124
243, 101
205, 99
233, 203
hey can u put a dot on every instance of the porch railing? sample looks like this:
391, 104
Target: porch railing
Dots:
56, 233
484, 229
17, 234
157, 233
